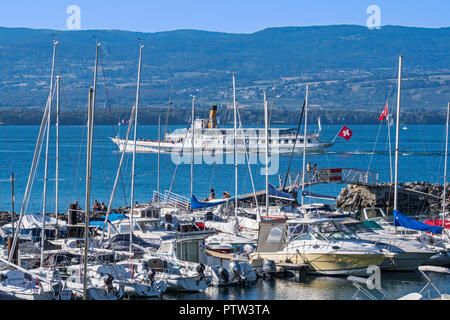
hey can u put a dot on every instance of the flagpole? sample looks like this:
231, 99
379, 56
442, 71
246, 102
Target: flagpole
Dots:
332, 141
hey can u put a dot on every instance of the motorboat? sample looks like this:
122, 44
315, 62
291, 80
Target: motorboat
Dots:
410, 253
322, 244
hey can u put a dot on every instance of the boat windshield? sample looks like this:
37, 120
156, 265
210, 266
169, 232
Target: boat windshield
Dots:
333, 231
148, 226
358, 227
302, 232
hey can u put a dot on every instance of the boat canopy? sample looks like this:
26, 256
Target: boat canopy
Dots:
112, 217
401, 220
195, 204
279, 194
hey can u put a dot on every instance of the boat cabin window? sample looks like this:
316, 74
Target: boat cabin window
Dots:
165, 247
306, 236
125, 228
298, 231
148, 226
371, 213
358, 227
187, 251
332, 231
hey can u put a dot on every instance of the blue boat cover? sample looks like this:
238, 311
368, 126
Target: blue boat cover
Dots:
277, 193
195, 204
112, 217
401, 220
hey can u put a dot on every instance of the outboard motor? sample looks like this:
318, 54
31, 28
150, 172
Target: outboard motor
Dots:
200, 270
223, 274
236, 271
269, 268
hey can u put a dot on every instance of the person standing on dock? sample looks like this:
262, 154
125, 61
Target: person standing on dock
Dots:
308, 170
315, 176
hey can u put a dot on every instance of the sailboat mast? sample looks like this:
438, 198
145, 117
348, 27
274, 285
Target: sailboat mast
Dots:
192, 145
44, 209
88, 188
134, 146
397, 131
235, 146
159, 153
90, 139
445, 169
266, 129
13, 198
304, 142
58, 86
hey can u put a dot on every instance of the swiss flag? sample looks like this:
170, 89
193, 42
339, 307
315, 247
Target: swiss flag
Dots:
345, 133
384, 114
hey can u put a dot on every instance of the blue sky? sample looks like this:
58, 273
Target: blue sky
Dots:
237, 16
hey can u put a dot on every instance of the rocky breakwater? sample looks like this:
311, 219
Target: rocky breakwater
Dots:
413, 197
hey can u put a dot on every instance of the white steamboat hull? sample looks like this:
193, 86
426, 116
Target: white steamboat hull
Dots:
169, 147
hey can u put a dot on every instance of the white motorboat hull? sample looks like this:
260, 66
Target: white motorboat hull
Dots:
168, 147
156, 289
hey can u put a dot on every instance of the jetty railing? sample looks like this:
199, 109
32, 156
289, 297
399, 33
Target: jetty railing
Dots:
328, 175
172, 199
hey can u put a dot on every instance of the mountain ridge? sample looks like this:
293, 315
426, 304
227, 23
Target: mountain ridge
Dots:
347, 66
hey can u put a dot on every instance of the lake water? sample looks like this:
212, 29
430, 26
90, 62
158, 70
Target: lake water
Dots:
421, 159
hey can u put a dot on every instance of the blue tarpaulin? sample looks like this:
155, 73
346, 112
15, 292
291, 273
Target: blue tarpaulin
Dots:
195, 204
112, 217
277, 193
401, 220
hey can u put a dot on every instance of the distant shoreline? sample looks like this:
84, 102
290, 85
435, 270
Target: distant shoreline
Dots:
249, 117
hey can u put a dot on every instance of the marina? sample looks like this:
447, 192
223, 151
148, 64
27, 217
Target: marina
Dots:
178, 244
227, 198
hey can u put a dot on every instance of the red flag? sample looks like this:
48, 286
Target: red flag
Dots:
345, 133
384, 114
